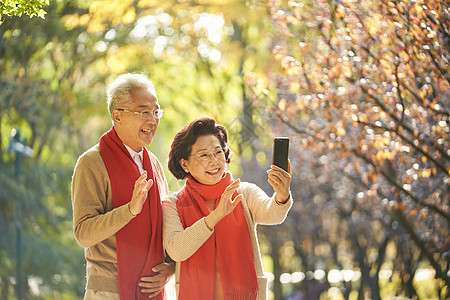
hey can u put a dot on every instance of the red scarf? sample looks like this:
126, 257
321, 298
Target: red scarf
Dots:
139, 243
230, 242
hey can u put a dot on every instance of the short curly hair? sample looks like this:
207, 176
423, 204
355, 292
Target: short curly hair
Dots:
182, 143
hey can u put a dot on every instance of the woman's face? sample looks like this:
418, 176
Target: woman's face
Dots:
207, 160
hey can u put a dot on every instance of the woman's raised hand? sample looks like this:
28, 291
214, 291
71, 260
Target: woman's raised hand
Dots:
225, 206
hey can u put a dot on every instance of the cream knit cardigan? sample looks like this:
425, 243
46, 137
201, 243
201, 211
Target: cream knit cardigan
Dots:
258, 208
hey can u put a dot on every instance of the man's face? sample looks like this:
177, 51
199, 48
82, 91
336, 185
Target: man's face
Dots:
132, 129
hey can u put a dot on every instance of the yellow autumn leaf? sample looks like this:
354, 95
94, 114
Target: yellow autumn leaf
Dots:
148, 3
282, 104
412, 213
404, 56
84, 20
96, 27
294, 86
340, 131
379, 156
373, 176
305, 143
425, 173
374, 23
300, 105
70, 21
129, 16
315, 104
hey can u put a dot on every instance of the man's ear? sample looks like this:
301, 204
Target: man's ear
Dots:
116, 116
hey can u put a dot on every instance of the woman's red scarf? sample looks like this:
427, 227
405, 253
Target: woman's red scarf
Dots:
230, 242
139, 243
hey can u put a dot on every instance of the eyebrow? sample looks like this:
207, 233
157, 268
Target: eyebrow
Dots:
147, 107
204, 149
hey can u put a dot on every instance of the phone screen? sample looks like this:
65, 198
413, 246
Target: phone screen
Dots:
281, 152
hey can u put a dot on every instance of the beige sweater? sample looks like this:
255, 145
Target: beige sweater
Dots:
96, 221
258, 208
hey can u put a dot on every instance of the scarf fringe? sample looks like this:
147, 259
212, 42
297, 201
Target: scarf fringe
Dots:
251, 294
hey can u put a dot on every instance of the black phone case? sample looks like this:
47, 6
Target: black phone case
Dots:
281, 152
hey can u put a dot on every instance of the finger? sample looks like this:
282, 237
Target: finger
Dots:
277, 169
277, 184
154, 294
289, 167
153, 291
159, 267
280, 173
233, 186
143, 189
149, 184
140, 184
237, 199
276, 178
153, 281
141, 178
228, 193
273, 183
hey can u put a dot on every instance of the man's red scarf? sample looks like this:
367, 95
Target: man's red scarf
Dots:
139, 243
230, 242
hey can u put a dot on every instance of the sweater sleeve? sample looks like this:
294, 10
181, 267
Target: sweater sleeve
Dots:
181, 243
264, 209
162, 180
95, 218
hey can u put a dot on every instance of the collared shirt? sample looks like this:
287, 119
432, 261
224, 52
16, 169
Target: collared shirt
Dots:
138, 158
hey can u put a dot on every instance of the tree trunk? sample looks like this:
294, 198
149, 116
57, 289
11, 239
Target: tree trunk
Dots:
277, 290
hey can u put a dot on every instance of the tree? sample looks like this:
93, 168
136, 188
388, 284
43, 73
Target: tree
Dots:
365, 84
54, 80
40, 81
31, 8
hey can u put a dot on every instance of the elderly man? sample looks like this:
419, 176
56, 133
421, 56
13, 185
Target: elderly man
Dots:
117, 188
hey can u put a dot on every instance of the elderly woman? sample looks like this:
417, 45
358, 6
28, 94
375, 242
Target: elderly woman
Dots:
209, 226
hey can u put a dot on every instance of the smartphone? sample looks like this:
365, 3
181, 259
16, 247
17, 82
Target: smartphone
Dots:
280, 152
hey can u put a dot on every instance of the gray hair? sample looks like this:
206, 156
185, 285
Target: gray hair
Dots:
118, 92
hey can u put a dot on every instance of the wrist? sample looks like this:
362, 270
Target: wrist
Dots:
211, 220
129, 208
285, 199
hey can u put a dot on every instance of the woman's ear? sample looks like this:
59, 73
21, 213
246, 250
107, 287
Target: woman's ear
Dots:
183, 164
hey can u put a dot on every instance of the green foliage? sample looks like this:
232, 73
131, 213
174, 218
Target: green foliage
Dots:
18, 7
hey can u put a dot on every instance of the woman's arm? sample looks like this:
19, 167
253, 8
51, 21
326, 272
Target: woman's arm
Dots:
263, 208
271, 210
181, 243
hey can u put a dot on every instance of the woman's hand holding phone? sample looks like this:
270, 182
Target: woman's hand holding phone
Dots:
280, 180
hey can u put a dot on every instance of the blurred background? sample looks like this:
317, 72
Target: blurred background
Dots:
361, 88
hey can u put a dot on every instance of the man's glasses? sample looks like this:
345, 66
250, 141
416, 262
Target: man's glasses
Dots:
219, 155
157, 113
